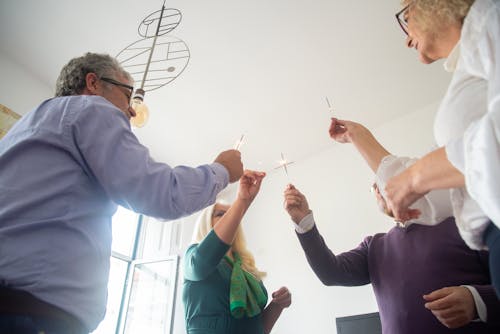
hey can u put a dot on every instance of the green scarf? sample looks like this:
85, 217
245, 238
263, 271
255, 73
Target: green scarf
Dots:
246, 295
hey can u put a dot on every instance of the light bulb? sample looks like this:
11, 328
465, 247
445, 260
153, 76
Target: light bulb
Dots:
140, 108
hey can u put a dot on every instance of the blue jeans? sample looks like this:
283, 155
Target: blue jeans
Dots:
492, 240
24, 324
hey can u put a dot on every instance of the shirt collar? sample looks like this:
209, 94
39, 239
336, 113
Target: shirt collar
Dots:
451, 62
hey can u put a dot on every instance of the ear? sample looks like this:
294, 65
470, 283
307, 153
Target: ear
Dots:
92, 84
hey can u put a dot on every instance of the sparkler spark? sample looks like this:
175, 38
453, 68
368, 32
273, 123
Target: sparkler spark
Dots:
283, 163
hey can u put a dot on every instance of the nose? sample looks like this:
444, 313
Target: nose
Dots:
132, 111
409, 42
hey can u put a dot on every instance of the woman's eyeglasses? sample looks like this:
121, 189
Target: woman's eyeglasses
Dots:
400, 17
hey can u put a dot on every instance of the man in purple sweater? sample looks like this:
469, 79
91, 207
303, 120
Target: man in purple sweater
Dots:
425, 278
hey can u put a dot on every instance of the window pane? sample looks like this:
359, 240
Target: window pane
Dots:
124, 230
117, 275
151, 297
161, 239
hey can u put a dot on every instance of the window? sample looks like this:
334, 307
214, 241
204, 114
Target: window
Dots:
143, 275
150, 301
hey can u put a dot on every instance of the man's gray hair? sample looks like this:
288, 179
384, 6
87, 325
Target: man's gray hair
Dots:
71, 80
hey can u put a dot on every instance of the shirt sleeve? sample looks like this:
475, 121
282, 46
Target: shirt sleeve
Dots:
477, 153
124, 169
345, 269
478, 302
202, 259
434, 207
487, 303
306, 224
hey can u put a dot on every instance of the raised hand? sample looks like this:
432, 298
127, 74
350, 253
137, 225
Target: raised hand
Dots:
231, 160
338, 131
453, 306
344, 131
282, 297
295, 203
250, 183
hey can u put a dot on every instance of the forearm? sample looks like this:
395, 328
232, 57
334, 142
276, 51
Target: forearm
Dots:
270, 315
434, 171
369, 148
228, 225
346, 269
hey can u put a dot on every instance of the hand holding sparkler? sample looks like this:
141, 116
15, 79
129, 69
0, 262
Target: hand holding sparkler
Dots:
339, 130
231, 160
239, 143
250, 183
295, 203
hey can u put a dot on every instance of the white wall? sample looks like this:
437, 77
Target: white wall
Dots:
20, 90
336, 183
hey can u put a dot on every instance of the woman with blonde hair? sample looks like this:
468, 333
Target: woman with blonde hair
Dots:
223, 290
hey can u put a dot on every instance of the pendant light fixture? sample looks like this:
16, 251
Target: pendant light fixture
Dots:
156, 59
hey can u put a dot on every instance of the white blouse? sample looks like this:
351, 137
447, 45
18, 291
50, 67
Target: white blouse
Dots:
468, 121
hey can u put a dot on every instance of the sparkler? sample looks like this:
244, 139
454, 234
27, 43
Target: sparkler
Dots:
239, 142
329, 105
283, 163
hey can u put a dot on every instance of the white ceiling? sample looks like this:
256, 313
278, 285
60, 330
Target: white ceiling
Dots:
261, 68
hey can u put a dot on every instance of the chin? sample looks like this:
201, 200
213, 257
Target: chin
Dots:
424, 59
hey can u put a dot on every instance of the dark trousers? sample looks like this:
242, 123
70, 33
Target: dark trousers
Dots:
492, 240
23, 313
24, 324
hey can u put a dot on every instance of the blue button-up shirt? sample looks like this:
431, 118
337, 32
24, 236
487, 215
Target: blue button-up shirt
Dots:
63, 169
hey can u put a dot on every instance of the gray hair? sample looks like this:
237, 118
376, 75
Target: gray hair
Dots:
71, 80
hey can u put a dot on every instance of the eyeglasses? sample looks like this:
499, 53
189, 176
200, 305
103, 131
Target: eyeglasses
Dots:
118, 83
403, 22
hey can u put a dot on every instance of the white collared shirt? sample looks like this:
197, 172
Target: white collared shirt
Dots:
468, 121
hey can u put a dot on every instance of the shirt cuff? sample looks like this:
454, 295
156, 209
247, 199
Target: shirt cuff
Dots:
221, 175
306, 224
390, 166
481, 310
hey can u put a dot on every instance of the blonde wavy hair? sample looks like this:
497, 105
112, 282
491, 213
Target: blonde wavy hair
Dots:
433, 14
204, 226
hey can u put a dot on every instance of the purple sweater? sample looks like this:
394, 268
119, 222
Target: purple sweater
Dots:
403, 265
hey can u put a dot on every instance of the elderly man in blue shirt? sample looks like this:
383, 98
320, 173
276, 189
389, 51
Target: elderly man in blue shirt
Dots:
64, 168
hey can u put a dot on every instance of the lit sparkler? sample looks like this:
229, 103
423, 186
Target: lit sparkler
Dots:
283, 163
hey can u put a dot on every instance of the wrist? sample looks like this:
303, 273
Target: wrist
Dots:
417, 180
298, 218
243, 202
306, 224
277, 306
